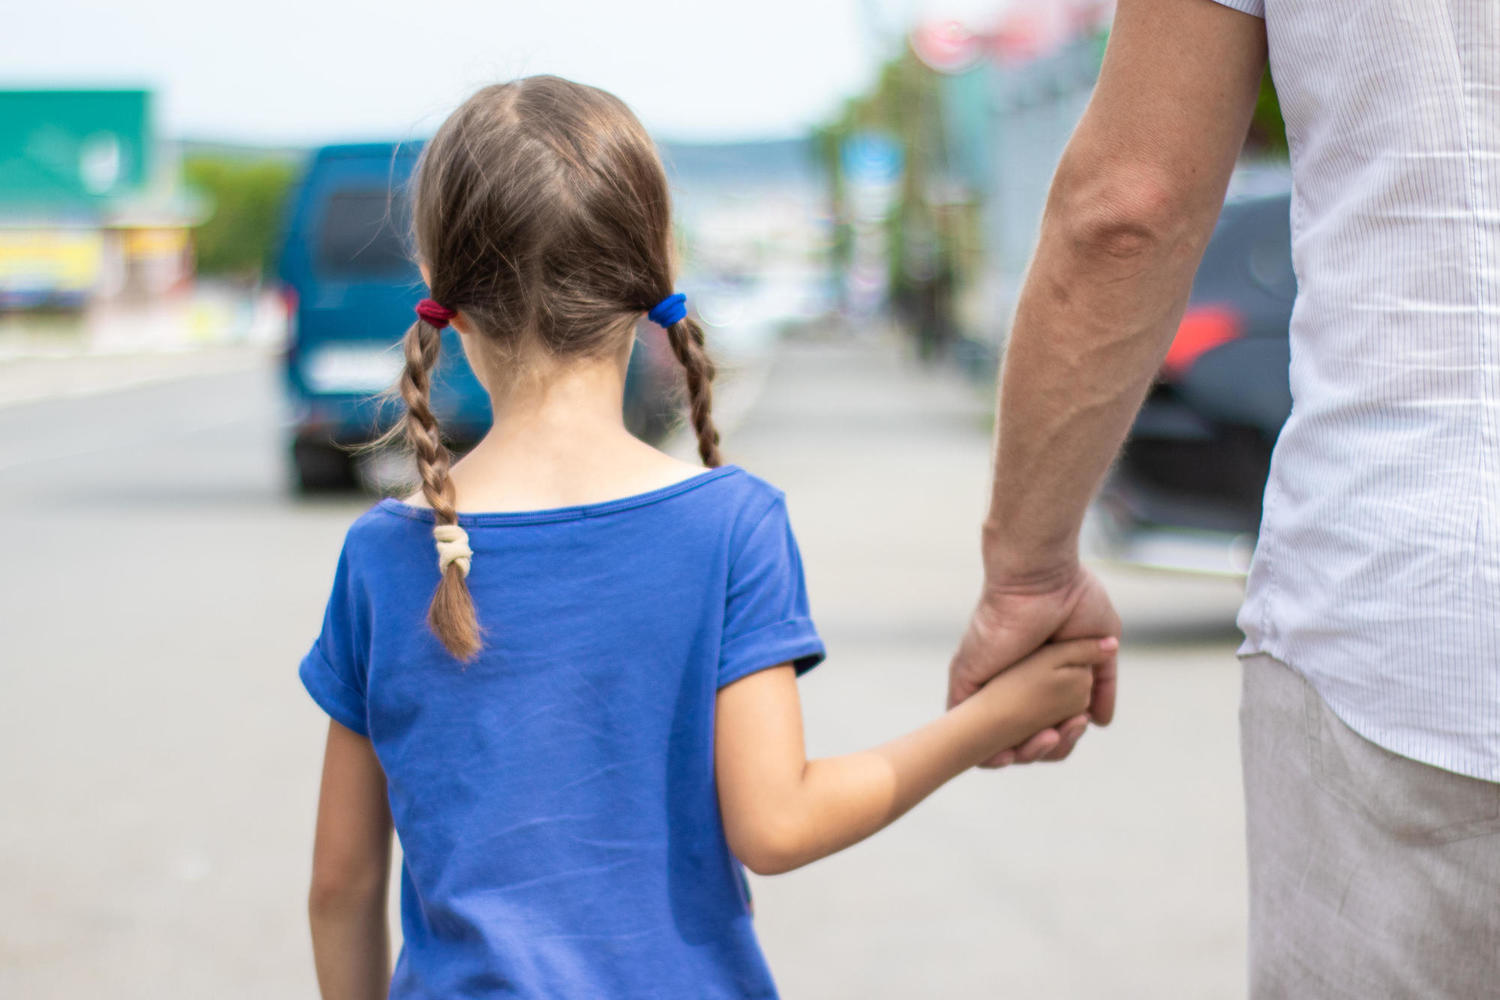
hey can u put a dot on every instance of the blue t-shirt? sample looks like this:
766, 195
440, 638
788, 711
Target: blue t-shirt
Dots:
555, 798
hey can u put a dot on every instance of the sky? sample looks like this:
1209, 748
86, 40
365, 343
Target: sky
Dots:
299, 72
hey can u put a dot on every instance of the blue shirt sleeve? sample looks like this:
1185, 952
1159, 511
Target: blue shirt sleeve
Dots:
766, 618
334, 670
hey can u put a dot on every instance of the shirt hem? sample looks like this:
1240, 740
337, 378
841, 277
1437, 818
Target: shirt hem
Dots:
1255, 8
1483, 767
791, 641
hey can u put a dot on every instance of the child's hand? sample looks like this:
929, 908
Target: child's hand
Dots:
1051, 685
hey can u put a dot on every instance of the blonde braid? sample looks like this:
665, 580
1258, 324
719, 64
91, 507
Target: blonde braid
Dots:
686, 338
451, 615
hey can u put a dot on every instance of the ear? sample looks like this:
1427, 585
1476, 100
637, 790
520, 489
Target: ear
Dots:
460, 321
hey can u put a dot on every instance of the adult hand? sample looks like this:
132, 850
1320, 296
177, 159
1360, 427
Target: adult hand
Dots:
1012, 620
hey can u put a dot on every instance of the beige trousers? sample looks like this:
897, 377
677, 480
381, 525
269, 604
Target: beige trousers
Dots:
1372, 877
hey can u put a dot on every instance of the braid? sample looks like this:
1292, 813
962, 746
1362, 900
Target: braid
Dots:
686, 338
451, 615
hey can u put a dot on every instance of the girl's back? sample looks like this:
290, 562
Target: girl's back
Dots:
555, 797
577, 717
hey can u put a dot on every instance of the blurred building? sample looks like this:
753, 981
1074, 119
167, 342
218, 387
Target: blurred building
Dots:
938, 173
1010, 94
91, 203
754, 222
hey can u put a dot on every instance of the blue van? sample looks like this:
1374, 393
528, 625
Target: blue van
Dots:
351, 284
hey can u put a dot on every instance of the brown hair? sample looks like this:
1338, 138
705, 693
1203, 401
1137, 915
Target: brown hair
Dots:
541, 212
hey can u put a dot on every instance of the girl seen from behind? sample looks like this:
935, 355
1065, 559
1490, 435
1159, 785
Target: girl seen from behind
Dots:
564, 673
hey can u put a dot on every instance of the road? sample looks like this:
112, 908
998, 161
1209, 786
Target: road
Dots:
161, 760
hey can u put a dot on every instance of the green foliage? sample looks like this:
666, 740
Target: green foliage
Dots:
1267, 128
248, 197
903, 104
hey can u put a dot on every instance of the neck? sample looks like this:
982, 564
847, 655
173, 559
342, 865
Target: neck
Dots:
559, 439
559, 408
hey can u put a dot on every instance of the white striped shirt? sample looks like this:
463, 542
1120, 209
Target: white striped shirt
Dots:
1377, 574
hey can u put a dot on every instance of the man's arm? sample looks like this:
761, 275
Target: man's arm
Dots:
1131, 208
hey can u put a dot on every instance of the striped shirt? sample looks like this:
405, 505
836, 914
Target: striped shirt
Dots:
1377, 574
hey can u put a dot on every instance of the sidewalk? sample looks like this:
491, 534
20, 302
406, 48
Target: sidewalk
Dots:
195, 760
204, 330
26, 380
1118, 874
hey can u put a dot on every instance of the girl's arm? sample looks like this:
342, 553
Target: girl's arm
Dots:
782, 811
351, 866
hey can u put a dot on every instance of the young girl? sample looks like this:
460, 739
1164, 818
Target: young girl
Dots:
565, 671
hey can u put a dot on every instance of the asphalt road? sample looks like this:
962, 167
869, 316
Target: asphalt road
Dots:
160, 760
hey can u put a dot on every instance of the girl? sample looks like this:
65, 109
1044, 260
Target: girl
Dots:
593, 721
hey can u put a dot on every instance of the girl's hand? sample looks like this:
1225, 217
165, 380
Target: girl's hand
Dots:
1050, 686
1013, 620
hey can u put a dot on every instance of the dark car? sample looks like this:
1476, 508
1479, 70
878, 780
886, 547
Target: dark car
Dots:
351, 286
1186, 491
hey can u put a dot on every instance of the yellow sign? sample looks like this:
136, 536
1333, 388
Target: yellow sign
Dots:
49, 262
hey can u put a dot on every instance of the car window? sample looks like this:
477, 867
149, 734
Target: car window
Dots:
1271, 250
1251, 243
362, 235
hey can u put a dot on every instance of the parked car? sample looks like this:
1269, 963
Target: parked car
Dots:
1186, 491
350, 286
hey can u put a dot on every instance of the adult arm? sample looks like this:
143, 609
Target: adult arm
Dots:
1132, 206
351, 865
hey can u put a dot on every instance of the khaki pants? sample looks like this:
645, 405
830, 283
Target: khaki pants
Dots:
1372, 877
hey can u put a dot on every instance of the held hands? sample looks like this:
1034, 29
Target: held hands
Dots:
1051, 686
1012, 621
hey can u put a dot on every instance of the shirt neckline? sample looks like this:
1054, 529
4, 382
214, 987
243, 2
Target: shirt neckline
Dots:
471, 519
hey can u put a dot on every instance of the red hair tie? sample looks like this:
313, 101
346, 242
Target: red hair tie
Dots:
434, 313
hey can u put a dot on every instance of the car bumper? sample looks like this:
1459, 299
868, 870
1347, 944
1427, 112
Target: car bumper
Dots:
1115, 532
1177, 550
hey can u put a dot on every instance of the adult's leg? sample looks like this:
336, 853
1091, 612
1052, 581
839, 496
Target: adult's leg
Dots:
1372, 876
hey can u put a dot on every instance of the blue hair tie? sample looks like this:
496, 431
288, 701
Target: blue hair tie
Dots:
670, 310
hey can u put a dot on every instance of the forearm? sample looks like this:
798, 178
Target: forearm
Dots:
346, 901
840, 801
351, 950
1133, 203
1091, 328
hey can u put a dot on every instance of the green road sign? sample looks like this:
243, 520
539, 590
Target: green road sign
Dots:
72, 149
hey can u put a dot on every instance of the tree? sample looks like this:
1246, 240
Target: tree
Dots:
1267, 128
248, 195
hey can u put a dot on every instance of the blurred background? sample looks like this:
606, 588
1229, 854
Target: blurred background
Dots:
203, 274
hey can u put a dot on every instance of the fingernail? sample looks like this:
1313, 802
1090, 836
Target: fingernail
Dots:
1111, 643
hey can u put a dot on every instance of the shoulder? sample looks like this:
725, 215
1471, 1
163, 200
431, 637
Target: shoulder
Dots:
385, 526
750, 502
745, 492
387, 519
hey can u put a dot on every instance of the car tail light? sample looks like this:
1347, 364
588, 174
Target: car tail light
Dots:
289, 307
1203, 328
